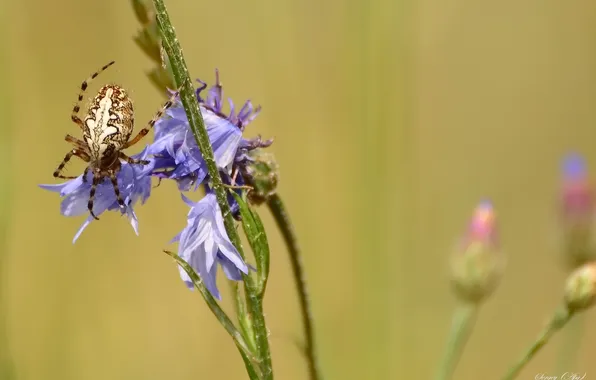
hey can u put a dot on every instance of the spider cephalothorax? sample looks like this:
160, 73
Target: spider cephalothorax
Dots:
107, 128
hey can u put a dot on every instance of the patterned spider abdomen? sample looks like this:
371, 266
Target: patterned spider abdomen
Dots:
109, 123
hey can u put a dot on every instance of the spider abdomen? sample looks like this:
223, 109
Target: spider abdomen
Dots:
109, 122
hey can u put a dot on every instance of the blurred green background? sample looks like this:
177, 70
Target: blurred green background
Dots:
391, 120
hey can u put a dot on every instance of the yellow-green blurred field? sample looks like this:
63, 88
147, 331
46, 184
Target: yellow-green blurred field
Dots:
391, 120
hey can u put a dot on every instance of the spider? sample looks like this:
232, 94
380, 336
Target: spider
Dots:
106, 128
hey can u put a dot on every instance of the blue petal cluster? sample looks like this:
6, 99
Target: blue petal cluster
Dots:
204, 243
174, 155
134, 182
176, 145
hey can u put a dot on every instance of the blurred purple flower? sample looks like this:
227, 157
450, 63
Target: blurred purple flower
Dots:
577, 196
175, 143
204, 243
576, 206
134, 182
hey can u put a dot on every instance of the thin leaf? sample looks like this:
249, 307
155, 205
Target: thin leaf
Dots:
250, 369
245, 322
144, 44
221, 315
257, 238
141, 11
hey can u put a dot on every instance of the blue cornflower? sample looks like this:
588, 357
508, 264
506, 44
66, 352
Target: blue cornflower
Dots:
134, 182
175, 143
204, 243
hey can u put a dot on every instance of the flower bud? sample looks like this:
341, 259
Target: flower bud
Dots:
261, 172
476, 265
577, 213
580, 289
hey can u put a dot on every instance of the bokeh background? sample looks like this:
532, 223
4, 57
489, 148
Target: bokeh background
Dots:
391, 120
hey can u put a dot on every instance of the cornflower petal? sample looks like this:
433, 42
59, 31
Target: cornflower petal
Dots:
204, 243
134, 183
175, 144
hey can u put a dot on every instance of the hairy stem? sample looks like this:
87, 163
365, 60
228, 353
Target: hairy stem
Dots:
284, 223
558, 321
197, 125
463, 321
148, 39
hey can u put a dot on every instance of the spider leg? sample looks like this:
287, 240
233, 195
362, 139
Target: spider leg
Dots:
114, 180
146, 130
81, 149
76, 142
96, 178
77, 107
74, 152
85, 174
132, 161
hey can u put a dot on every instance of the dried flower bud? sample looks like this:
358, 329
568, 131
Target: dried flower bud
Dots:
580, 289
261, 172
577, 212
477, 265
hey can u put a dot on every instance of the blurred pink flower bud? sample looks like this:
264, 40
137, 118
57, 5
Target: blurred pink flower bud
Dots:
476, 265
482, 227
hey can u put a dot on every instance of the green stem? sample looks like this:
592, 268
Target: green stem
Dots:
197, 125
571, 344
284, 223
558, 321
148, 40
463, 322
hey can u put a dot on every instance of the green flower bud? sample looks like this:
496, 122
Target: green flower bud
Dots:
262, 174
580, 289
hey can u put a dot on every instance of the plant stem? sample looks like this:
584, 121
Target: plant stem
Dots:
558, 321
571, 344
148, 40
463, 322
284, 223
197, 125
